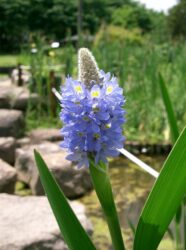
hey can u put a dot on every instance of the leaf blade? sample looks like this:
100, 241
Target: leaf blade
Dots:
69, 225
169, 109
163, 203
103, 188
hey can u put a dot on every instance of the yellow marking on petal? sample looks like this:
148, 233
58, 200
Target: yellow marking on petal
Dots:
95, 93
108, 125
77, 103
109, 90
95, 108
96, 136
85, 118
80, 134
78, 89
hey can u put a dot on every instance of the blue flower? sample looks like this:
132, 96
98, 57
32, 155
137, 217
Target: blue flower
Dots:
92, 119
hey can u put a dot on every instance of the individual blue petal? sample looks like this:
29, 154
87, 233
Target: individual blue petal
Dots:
95, 92
73, 157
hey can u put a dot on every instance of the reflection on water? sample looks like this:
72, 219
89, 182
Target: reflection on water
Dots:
131, 187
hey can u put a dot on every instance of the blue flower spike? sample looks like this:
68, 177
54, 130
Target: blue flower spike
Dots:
92, 113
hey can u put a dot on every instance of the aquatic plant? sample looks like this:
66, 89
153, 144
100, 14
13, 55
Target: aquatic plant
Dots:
88, 107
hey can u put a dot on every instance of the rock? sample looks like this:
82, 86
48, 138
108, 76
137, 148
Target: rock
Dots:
45, 134
16, 97
25, 163
5, 82
7, 178
4, 98
23, 142
74, 182
28, 223
20, 97
11, 123
21, 101
7, 149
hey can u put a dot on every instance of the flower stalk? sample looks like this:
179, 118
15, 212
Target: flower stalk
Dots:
102, 185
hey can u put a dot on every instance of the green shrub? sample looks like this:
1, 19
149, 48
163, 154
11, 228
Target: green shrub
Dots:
113, 34
131, 17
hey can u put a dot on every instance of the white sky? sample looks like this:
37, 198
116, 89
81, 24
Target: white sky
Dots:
159, 5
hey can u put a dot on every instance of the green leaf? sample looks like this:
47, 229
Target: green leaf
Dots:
132, 226
173, 127
169, 109
102, 185
164, 199
71, 229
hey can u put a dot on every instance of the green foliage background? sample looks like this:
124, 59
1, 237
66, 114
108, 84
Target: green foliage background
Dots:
132, 42
56, 19
177, 19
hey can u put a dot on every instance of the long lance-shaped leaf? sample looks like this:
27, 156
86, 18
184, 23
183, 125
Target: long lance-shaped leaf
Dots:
174, 135
102, 185
71, 229
169, 109
164, 199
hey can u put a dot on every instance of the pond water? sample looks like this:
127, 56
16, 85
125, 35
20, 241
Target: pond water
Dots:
131, 187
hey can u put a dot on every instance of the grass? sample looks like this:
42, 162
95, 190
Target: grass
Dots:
3, 76
137, 68
13, 60
8, 60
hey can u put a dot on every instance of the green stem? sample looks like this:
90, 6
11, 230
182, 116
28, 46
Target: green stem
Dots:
101, 182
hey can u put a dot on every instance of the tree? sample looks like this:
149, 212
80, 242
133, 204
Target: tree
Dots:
13, 23
177, 19
130, 17
57, 19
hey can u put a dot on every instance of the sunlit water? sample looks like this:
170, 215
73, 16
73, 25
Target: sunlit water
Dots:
131, 187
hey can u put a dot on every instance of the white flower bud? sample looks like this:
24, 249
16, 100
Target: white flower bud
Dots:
87, 67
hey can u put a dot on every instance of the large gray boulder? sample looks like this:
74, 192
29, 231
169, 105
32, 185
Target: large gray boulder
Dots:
16, 97
7, 178
11, 123
4, 98
74, 182
23, 142
7, 149
25, 163
28, 223
21, 101
45, 134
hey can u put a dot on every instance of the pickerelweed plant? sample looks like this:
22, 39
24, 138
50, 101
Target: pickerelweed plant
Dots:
93, 116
